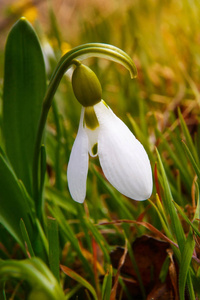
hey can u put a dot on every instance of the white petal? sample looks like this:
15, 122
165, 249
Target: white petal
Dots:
122, 157
92, 140
78, 164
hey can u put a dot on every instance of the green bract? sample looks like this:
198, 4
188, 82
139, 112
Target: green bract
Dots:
86, 86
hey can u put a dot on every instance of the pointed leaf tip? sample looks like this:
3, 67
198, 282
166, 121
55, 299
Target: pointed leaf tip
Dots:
23, 92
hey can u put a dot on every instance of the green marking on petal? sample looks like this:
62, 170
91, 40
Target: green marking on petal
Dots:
105, 103
94, 149
90, 118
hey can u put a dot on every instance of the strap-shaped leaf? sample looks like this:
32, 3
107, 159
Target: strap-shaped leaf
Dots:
14, 204
24, 88
42, 282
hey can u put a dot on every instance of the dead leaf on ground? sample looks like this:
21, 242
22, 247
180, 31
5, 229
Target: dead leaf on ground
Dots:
150, 254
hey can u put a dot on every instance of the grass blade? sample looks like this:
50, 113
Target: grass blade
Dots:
27, 241
71, 237
100, 240
53, 247
107, 284
192, 160
79, 279
187, 219
185, 265
14, 205
188, 137
176, 224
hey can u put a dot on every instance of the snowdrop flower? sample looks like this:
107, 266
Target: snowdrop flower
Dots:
122, 157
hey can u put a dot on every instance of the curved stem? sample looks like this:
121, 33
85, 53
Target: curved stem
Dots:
81, 52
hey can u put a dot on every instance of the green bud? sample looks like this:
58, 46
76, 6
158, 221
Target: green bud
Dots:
86, 86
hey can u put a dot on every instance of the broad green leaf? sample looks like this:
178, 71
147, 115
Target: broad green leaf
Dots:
44, 285
23, 92
14, 204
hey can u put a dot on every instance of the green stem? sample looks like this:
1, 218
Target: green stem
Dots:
58, 181
54, 82
83, 51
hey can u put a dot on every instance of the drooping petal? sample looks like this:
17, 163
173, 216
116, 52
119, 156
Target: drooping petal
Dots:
122, 157
78, 164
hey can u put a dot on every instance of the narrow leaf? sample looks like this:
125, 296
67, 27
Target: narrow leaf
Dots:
192, 160
100, 240
188, 136
14, 205
70, 236
107, 284
53, 247
27, 242
185, 264
186, 219
176, 224
79, 279
58, 198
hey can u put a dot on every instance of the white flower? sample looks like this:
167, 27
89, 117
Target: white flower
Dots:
122, 157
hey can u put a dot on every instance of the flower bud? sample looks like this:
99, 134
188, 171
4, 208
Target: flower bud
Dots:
86, 86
